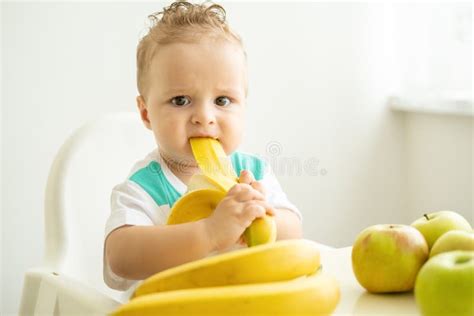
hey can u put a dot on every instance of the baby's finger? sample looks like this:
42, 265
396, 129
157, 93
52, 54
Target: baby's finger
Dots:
248, 193
234, 190
269, 209
254, 210
259, 187
246, 176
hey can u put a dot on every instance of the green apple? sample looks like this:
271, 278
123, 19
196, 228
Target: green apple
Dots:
387, 258
261, 231
445, 285
453, 240
433, 225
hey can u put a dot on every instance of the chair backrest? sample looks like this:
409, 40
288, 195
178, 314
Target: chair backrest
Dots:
96, 157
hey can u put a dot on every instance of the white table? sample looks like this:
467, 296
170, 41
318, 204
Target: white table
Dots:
355, 300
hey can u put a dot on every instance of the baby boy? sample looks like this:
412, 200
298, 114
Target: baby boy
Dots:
192, 82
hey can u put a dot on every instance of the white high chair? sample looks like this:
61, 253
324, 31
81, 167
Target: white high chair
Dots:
77, 203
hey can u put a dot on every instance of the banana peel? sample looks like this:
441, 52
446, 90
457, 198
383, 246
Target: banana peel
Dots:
261, 231
218, 176
200, 181
195, 205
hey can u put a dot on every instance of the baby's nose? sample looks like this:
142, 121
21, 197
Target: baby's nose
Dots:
203, 115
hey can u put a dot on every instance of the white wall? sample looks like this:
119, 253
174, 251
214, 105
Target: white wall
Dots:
317, 72
1, 165
440, 173
318, 88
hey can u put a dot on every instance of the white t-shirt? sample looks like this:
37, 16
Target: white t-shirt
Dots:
151, 189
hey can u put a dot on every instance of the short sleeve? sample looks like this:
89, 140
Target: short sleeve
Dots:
275, 195
130, 205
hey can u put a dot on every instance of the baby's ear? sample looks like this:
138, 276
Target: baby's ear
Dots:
143, 111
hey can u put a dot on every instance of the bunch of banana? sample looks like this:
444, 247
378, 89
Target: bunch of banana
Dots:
281, 278
207, 189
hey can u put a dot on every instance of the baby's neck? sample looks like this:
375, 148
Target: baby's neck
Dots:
183, 171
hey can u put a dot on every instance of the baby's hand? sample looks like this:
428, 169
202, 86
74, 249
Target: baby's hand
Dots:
246, 176
234, 214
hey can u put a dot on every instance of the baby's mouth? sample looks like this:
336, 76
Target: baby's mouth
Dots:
205, 136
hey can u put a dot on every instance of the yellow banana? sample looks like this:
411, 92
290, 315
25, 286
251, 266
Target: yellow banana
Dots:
195, 205
262, 231
200, 181
282, 260
213, 161
317, 294
217, 175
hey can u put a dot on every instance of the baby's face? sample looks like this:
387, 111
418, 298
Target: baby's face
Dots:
196, 90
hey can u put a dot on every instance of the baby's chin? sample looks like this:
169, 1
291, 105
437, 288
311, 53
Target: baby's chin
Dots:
180, 156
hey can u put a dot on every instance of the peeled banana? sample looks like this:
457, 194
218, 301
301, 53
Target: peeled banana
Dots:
282, 260
213, 161
207, 189
317, 294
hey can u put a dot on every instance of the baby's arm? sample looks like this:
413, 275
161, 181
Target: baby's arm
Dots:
288, 224
137, 252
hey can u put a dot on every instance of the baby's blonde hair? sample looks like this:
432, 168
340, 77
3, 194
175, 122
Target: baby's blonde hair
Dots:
183, 22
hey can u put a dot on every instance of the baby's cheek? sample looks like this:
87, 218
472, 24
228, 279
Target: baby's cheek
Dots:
233, 135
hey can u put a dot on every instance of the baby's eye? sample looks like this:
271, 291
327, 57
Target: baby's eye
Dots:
180, 100
222, 101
